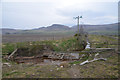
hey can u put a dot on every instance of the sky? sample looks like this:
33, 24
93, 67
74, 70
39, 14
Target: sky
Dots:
29, 14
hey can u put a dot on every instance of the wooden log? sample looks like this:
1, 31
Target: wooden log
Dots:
12, 53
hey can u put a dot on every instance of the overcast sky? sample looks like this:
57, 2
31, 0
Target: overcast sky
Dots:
28, 14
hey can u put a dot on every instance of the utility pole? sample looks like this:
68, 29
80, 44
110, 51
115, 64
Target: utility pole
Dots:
78, 18
78, 33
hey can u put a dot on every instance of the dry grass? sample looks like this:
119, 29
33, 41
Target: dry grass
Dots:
31, 37
97, 69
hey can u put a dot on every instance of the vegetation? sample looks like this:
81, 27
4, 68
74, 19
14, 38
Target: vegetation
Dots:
69, 44
97, 69
102, 41
56, 45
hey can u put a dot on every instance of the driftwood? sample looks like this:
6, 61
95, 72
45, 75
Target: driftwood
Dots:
8, 64
62, 56
12, 53
92, 60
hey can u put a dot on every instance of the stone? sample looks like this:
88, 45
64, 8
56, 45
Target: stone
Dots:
61, 66
74, 64
51, 70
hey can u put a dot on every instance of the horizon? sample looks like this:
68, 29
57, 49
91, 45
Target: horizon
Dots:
30, 15
57, 24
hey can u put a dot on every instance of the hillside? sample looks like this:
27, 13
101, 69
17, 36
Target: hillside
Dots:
110, 29
100, 29
9, 31
58, 27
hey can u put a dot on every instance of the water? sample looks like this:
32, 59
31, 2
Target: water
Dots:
76, 55
88, 45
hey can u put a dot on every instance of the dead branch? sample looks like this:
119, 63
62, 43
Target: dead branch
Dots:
92, 60
12, 53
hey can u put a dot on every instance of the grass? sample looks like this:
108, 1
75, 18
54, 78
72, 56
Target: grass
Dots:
69, 44
8, 48
56, 45
97, 69
11, 73
75, 62
103, 41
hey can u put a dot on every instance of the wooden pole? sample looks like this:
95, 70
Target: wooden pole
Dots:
78, 25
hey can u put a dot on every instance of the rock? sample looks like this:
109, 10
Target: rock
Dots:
75, 75
51, 70
64, 64
74, 64
33, 74
61, 66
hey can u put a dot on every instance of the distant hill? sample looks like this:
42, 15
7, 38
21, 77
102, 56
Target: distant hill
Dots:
55, 27
9, 31
100, 29
62, 29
